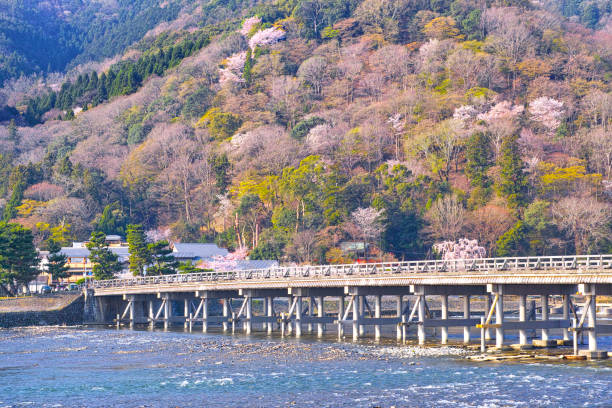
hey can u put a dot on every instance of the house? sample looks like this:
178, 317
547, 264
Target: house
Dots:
197, 252
78, 257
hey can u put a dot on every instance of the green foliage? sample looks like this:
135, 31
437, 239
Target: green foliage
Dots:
221, 166
122, 78
105, 263
302, 128
513, 181
139, 252
221, 125
513, 242
18, 256
188, 267
162, 262
111, 221
56, 265
478, 160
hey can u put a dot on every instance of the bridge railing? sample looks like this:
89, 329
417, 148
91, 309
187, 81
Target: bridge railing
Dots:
483, 265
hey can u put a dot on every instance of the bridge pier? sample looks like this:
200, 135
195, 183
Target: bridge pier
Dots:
522, 319
399, 313
340, 316
544, 302
466, 315
320, 313
444, 316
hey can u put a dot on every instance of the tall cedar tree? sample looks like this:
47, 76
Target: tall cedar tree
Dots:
140, 256
478, 159
56, 265
513, 182
105, 263
18, 257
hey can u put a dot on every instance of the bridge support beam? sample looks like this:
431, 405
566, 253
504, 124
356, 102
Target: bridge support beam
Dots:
565, 315
298, 317
590, 308
544, 302
399, 312
225, 312
340, 316
466, 315
320, 313
444, 316
356, 317
522, 319
361, 304
421, 314
270, 312
377, 314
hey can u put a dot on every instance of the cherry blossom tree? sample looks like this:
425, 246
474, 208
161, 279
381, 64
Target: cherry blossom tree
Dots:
249, 24
547, 111
232, 72
462, 249
367, 222
501, 121
267, 36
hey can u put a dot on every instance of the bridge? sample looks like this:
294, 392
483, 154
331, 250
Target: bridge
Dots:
491, 296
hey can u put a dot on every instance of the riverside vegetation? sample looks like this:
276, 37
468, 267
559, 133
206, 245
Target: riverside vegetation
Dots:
289, 126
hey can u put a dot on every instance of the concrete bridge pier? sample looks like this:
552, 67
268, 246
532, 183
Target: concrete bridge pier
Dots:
565, 315
340, 316
522, 319
356, 317
544, 302
421, 313
466, 315
270, 313
225, 312
488, 301
361, 303
444, 316
320, 314
377, 315
399, 312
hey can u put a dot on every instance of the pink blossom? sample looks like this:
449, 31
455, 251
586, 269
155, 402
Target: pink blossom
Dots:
233, 68
225, 263
268, 36
249, 24
503, 110
465, 113
462, 249
547, 111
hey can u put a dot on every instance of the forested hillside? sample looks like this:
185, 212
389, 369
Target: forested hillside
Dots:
290, 127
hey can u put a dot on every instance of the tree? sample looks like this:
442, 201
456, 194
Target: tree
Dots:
478, 160
513, 181
584, 219
56, 261
446, 218
111, 221
18, 257
105, 263
139, 252
162, 262
313, 72
368, 223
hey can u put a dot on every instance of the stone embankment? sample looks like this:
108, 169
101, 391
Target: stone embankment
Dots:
40, 310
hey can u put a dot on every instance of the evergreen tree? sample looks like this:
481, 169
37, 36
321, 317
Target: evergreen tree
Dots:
139, 251
478, 159
163, 262
12, 131
10, 211
18, 256
111, 221
56, 265
513, 182
105, 263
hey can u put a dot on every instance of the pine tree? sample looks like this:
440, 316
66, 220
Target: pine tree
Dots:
139, 251
56, 265
105, 263
513, 182
18, 256
163, 262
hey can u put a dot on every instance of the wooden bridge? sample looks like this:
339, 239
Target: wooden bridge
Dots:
340, 296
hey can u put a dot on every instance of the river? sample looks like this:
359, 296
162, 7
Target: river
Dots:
97, 367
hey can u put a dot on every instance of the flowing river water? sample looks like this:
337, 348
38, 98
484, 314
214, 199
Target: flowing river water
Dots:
96, 367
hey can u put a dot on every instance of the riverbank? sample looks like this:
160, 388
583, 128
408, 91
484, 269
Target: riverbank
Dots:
41, 310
